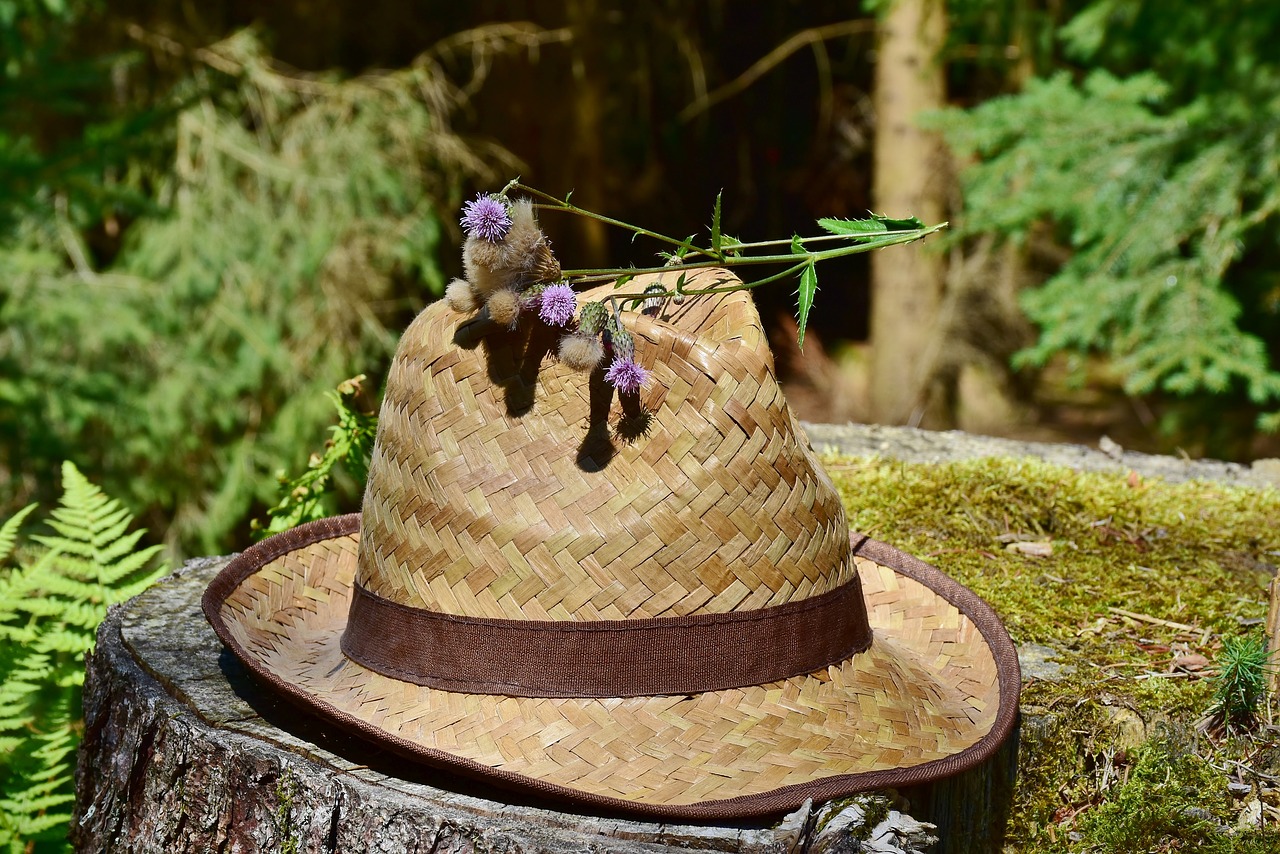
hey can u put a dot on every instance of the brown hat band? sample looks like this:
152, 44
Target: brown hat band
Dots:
606, 658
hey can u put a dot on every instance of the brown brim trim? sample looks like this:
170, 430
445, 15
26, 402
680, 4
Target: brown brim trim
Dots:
776, 801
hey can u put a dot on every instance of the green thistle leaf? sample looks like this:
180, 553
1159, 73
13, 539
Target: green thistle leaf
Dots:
867, 229
715, 226
804, 296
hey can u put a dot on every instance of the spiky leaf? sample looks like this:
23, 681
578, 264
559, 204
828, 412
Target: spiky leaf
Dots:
870, 228
805, 293
715, 226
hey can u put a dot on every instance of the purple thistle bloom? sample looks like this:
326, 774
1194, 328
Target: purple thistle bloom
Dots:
558, 305
486, 217
626, 376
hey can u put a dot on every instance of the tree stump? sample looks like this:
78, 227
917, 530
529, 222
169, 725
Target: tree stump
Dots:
182, 751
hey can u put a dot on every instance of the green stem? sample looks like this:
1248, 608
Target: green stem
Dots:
561, 205
602, 274
742, 286
787, 242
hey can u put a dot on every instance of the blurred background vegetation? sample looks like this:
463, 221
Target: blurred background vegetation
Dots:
212, 213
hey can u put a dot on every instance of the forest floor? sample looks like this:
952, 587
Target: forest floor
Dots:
1119, 589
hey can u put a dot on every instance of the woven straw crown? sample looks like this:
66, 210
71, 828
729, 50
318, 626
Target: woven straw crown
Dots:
501, 488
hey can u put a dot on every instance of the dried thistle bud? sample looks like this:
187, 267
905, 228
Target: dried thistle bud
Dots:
460, 296
545, 266
486, 280
525, 238
504, 306
592, 318
581, 351
624, 346
478, 252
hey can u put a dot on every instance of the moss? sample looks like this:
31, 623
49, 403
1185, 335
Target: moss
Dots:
1180, 552
874, 810
289, 841
1196, 554
1171, 800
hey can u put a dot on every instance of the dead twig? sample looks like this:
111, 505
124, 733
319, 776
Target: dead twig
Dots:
1147, 618
762, 66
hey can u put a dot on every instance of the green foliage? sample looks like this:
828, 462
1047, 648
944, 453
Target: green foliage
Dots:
50, 77
722, 250
53, 594
310, 496
1171, 800
1159, 170
1241, 683
294, 215
805, 293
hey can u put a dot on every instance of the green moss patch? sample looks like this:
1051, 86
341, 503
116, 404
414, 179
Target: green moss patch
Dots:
1060, 555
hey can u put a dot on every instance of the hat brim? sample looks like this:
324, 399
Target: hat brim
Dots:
935, 694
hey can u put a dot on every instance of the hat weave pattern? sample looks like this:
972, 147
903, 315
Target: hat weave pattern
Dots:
485, 496
921, 696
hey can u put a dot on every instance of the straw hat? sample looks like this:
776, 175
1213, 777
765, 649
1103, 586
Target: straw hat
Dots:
648, 603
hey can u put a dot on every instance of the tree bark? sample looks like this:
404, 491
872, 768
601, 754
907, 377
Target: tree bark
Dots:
910, 179
183, 752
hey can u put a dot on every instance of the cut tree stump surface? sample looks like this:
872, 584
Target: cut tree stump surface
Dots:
930, 446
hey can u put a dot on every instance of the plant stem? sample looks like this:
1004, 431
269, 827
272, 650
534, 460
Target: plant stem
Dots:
743, 286
561, 205
605, 273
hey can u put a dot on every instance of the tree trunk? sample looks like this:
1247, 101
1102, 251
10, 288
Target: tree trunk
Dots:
584, 170
183, 752
910, 179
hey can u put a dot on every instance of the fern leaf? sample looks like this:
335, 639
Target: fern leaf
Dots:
17, 589
125, 567
9, 531
118, 544
50, 608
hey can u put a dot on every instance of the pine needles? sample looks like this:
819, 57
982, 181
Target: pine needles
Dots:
1241, 683
54, 591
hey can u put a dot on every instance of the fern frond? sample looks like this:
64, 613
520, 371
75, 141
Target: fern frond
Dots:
18, 588
9, 531
129, 565
51, 604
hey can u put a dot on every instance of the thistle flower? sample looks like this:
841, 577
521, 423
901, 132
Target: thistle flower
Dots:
486, 217
581, 351
626, 376
558, 305
504, 306
460, 296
